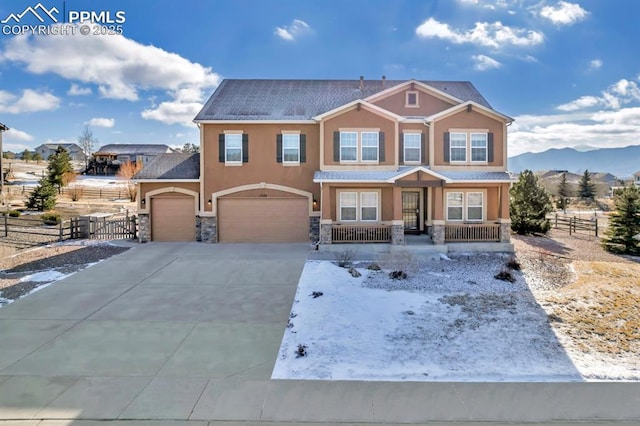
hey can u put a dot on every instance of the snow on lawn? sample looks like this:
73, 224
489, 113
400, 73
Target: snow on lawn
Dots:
451, 320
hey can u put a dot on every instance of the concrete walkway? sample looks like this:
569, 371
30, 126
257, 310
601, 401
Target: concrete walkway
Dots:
189, 333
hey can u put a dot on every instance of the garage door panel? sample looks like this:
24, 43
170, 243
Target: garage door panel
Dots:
173, 219
263, 220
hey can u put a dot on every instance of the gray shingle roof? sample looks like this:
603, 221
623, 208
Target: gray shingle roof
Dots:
384, 176
138, 149
3, 127
304, 99
171, 166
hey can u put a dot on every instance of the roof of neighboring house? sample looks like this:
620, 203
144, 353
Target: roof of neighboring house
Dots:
305, 99
54, 146
138, 149
390, 176
171, 166
3, 127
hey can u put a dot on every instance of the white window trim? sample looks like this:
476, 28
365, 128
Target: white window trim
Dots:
486, 148
466, 148
447, 206
406, 99
356, 147
340, 206
284, 161
404, 148
226, 150
362, 147
465, 206
361, 206
359, 146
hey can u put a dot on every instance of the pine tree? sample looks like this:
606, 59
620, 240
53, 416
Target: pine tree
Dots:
624, 223
26, 155
59, 170
43, 196
530, 204
37, 157
586, 188
563, 193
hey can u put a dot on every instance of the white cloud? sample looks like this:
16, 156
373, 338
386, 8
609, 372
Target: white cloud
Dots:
16, 135
29, 101
564, 13
101, 122
595, 64
603, 129
494, 35
76, 90
120, 67
484, 63
173, 112
291, 32
580, 103
614, 97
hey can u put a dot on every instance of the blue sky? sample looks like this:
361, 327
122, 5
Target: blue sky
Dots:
568, 72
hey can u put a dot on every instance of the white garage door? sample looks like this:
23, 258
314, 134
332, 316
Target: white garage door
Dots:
173, 219
263, 220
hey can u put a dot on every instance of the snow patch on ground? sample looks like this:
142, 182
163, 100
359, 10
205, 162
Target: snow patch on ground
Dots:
451, 320
44, 276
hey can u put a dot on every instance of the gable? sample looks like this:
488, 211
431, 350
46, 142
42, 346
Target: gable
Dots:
427, 103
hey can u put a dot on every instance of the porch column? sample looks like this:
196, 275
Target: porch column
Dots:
437, 235
505, 230
438, 204
397, 203
325, 231
325, 201
397, 224
504, 201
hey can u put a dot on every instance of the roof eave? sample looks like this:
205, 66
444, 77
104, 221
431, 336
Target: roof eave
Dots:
165, 180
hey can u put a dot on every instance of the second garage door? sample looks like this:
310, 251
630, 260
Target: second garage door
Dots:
173, 219
263, 220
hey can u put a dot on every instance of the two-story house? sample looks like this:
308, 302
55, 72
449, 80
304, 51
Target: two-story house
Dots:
108, 159
345, 161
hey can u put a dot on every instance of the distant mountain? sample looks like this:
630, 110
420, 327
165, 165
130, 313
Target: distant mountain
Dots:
620, 162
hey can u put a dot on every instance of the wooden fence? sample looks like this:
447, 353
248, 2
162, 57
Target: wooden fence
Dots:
574, 224
78, 193
472, 232
361, 233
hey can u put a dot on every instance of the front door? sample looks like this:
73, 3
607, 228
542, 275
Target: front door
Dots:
411, 212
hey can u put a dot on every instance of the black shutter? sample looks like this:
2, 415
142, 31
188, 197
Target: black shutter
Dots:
401, 145
245, 148
279, 148
446, 147
303, 148
221, 156
381, 147
336, 146
490, 147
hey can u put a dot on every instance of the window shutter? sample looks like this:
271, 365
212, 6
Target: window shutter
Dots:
381, 147
490, 147
423, 148
401, 146
336, 147
446, 147
221, 148
279, 148
303, 148
245, 148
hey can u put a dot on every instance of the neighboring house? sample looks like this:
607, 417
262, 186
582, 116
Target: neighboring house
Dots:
108, 159
75, 152
344, 161
636, 179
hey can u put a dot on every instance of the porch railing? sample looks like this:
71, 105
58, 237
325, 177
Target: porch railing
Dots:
472, 232
361, 234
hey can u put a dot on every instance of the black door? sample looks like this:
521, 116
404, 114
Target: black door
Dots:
411, 212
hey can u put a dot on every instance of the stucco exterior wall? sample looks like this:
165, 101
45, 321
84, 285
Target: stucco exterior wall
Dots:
428, 103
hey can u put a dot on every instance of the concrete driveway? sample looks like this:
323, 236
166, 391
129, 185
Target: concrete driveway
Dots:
190, 332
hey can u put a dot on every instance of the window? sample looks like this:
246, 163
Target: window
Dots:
412, 99
368, 206
348, 206
412, 146
458, 147
369, 146
348, 146
233, 148
478, 147
454, 205
474, 206
290, 148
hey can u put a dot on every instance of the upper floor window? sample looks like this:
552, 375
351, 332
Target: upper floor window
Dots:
369, 146
290, 148
479, 147
411, 100
233, 148
349, 146
458, 147
412, 146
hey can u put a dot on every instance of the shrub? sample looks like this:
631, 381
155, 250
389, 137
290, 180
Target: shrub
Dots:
14, 213
344, 257
374, 267
505, 275
301, 351
513, 263
398, 275
51, 218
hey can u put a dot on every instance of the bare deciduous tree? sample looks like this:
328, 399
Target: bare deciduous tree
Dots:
127, 171
87, 143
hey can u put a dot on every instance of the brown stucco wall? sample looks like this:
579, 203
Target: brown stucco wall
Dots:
469, 120
262, 165
147, 187
362, 119
429, 104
